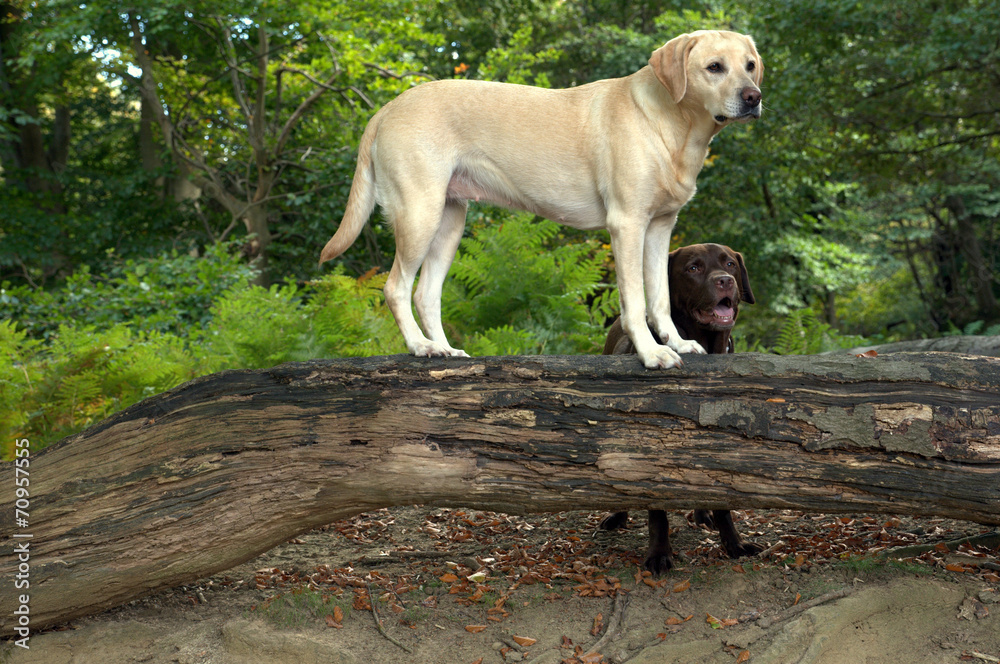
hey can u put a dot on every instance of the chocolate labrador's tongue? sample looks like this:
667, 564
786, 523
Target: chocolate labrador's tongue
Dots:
722, 311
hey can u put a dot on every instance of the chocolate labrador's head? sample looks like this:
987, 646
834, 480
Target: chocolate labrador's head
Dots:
707, 284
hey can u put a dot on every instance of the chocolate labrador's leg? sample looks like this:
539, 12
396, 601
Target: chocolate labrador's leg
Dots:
704, 518
613, 521
659, 553
734, 545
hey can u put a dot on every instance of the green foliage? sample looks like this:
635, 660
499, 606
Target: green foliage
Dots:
17, 377
975, 327
80, 377
518, 286
349, 317
336, 316
255, 327
170, 293
803, 333
516, 63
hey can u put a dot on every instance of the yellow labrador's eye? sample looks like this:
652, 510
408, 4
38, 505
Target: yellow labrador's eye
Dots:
715, 68
751, 65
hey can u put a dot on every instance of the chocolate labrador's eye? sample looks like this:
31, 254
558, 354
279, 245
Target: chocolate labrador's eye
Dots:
730, 264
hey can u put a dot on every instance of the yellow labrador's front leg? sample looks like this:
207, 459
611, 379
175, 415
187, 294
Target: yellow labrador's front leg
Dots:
656, 278
627, 247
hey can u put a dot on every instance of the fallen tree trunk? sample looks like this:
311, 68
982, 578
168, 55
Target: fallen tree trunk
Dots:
219, 470
969, 344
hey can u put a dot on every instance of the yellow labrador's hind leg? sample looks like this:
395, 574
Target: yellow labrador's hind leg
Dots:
435, 268
418, 225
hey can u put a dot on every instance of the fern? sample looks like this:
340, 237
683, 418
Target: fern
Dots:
349, 318
85, 374
520, 275
803, 333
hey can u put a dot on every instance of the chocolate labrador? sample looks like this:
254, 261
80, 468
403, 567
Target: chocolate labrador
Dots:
707, 284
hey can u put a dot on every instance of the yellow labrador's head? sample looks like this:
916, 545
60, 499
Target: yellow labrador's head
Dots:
714, 70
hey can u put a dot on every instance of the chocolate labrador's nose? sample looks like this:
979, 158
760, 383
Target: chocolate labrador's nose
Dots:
725, 283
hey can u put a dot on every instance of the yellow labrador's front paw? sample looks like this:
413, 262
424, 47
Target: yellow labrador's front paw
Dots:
685, 346
434, 349
661, 357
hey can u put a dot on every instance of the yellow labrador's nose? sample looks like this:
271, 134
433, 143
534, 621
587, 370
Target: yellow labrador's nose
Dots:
750, 96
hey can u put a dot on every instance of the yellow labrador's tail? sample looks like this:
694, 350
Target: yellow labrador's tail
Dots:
361, 201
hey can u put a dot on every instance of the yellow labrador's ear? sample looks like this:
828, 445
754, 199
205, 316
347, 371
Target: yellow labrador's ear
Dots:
758, 71
669, 63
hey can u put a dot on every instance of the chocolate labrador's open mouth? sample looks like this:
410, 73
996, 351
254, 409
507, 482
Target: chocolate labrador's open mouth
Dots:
723, 315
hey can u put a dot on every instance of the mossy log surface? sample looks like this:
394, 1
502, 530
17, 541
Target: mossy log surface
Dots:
208, 475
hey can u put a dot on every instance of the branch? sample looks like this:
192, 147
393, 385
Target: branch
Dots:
286, 131
391, 74
229, 55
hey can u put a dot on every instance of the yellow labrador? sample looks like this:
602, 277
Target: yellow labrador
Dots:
621, 154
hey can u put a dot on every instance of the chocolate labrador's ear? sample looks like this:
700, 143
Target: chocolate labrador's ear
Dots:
745, 293
669, 63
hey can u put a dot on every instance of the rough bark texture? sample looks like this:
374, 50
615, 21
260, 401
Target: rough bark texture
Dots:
218, 470
970, 344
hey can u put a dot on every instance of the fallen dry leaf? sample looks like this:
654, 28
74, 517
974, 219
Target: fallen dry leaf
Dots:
682, 586
673, 620
972, 608
868, 353
717, 623
475, 629
338, 614
743, 657
598, 624
524, 641
448, 578
333, 622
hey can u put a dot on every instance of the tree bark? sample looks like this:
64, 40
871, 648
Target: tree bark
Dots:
208, 475
969, 344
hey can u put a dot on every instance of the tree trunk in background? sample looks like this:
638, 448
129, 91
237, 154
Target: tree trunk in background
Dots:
208, 475
980, 275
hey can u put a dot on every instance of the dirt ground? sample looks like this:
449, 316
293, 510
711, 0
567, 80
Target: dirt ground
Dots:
465, 586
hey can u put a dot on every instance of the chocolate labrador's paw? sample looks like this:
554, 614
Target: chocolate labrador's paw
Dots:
613, 521
658, 561
742, 549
